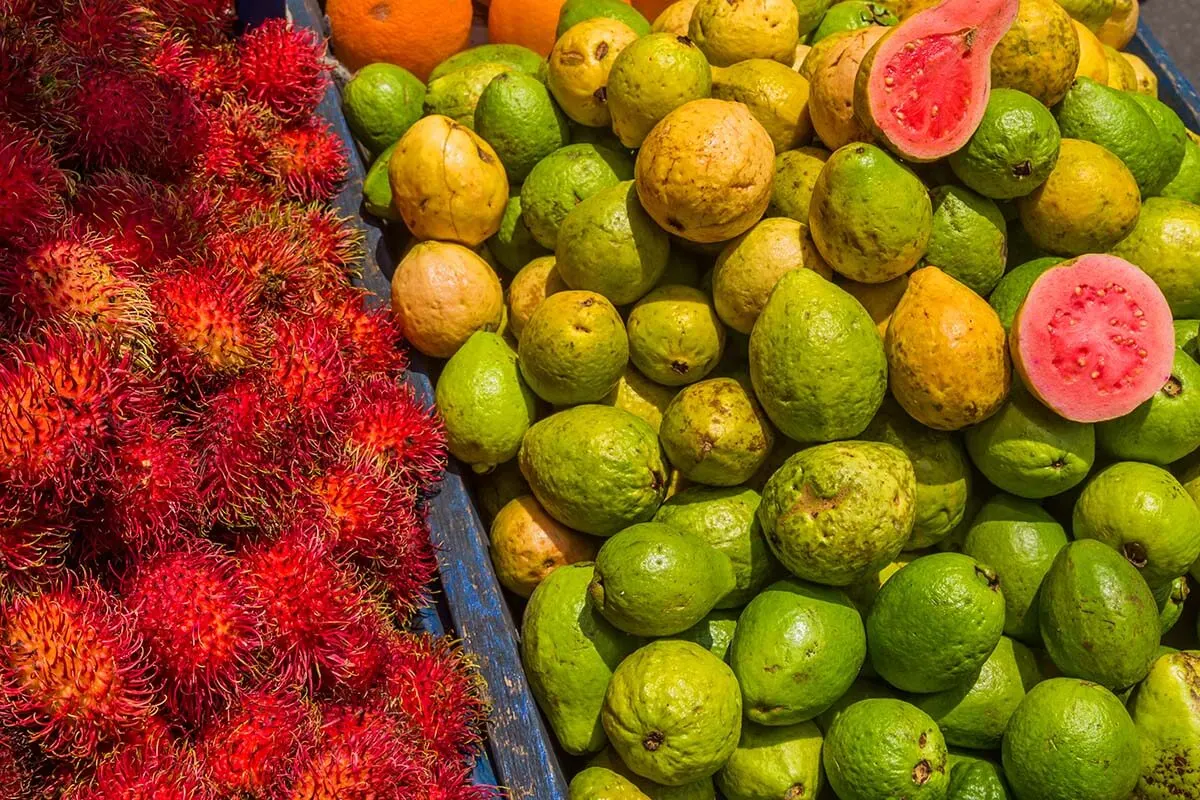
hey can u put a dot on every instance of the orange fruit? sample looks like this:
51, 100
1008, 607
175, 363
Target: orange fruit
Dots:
530, 23
415, 34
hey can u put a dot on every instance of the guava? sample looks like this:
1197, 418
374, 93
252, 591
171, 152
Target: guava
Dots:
1040, 52
579, 66
796, 174
715, 433
1164, 710
924, 87
881, 748
1092, 13
576, 11
1093, 339
517, 116
652, 77
573, 349
879, 299
728, 33
832, 67
969, 241
513, 56
1014, 149
563, 180
704, 173
774, 762
675, 336
1012, 289
776, 95
527, 544
1166, 427
456, 94
850, 15
513, 246
1165, 243
640, 396
536, 281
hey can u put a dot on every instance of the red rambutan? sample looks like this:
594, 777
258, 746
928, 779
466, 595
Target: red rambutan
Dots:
16, 776
72, 671
76, 278
32, 542
152, 497
209, 21
448, 781
207, 323
309, 160
115, 32
208, 73
143, 221
31, 185
193, 611
267, 261
159, 770
283, 67
434, 685
24, 70
373, 342
324, 237
255, 747
359, 757
115, 119
306, 366
321, 624
237, 144
392, 428
62, 400
239, 432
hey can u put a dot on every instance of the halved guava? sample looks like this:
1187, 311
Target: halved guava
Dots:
1093, 338
925, 86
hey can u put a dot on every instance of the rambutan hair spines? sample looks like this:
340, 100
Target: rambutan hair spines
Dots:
395, 430
283, 67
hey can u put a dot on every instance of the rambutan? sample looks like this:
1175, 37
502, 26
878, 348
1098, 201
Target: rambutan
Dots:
63, 398
358, 759
283, 67
239, 432
77, 278
193, 610
208, 73
72, 670
16, 775
306, 366
207, 323
152, 497
321, 625
308, 160
31, 185
32, 542
24, 70
143, 221
395, 430
365, 506
324, 237
450, 781
433, 684
373, 342
209, 21
238, 142
161, 770
113, 32
256, 746
115, 119
265, 258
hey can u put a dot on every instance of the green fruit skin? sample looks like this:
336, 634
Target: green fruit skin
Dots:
811, 14
569, 652
573, 349
773, 764
512, 55
485, 404
456, 94
816, 360
1096, 750
726, 519
877, 749
715, 433
1144, 513
1013, 288
653, 580
870, 216
1163, 429
942, 470
577, 11
935, 622
608, 244
1014, 149
1019, 540
1170, 604
1186, 331
977, 781
594, 468
1186, 183
714, 633
517, 116
562, 180
377, 188
650, 78
1114, 120
608, 760
969, 238
513, 246
675, 336
795, 177
598, 783
851, 15
1028, 450
381, 102
798, 647
1098, 618
861, 689
1164, 709
1165, 243
1172, 135
681, 700
776, 95
976, 713
497, 488
837, 513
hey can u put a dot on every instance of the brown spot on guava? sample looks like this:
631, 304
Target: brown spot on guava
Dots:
484, 155
571, 58
794, 792
921, 772
1023, 170
685, 41
587, 302
1058, 463
549, 563
674, 223
1173, 387
601, 94
809, 503
653, 740
601, 50
922, 739
679, 367
992, 579
1135, 553
381, 11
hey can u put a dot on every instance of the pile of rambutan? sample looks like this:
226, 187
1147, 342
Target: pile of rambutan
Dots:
213, 477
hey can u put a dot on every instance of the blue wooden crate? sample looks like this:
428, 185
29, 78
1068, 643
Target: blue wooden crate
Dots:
520, 753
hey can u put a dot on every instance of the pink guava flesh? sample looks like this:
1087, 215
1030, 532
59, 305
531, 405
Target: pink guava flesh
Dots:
1094, 339
931, 76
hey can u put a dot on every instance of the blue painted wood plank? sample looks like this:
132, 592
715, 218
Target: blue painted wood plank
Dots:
1174, 88
522, 758
255, 12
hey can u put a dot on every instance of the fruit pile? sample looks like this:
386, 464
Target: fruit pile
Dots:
830, 377
212, 475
